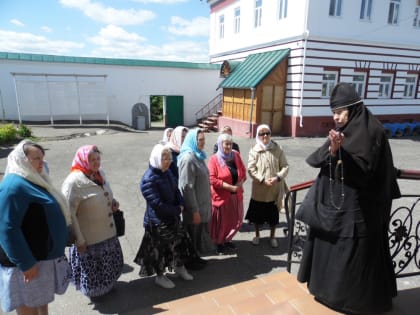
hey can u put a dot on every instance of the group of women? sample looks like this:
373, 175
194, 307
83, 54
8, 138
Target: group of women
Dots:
37, 222
194, 206
347, 265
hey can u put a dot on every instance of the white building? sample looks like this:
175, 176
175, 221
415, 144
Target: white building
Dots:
45, 88
374, 44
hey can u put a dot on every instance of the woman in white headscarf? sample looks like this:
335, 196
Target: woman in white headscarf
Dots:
34, 220
268, 167
165, 243
175, 143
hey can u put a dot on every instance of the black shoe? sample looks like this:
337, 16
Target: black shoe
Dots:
220, 249
230, 245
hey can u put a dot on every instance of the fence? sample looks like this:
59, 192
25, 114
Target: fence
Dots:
403, 230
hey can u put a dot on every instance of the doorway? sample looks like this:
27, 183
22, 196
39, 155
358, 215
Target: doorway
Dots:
166, 111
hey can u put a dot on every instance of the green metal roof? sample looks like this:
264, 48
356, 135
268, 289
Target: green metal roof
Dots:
254, 69
107, 61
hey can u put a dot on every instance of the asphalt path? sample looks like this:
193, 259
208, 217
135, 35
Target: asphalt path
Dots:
125, 155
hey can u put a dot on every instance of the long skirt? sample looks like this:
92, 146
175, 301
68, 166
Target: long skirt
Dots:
53, 278
96, 271
260, 212
164, 246
226, 220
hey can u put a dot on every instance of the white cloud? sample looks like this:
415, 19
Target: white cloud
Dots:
115, 42
30, 43
17, 22
108, 15
160, 1
199, 26
115, 36
46, 29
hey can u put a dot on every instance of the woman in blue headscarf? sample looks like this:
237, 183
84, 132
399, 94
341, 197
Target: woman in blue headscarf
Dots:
194, 185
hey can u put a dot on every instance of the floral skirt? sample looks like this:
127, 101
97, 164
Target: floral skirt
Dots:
96, 271
164, 246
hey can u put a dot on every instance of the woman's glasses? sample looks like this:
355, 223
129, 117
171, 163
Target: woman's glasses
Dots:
262, 134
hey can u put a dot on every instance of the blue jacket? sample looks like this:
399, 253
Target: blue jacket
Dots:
17, 197
160, 189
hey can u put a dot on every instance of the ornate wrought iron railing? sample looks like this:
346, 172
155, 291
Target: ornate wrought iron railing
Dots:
403, 231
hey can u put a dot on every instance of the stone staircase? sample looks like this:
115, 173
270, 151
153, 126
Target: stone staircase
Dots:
208, 116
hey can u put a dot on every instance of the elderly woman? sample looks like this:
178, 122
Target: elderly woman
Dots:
194, 185
347, 265
175, 143
227, 174
165, 243
96, 257
34, 219
166, 135
268, 167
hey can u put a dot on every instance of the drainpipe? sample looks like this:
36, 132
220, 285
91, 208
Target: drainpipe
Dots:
305, 39
251, 110
17, 99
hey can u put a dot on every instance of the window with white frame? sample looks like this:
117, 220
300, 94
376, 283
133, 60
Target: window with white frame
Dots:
410, 86
221, 26
394, 9
359, 84
329, 80
237, 20
385, 86
416, 20
258, 13
335, 8
366, 9
282, 9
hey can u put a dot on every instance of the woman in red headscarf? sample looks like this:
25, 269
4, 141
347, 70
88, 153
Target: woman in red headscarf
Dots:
96, 257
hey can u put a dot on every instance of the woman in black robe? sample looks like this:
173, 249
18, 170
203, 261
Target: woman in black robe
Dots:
347, 266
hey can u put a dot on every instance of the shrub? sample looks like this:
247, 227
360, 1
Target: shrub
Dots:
8, 133
24, 131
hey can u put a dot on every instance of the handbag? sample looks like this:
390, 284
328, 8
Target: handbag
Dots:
119, 222
320, 214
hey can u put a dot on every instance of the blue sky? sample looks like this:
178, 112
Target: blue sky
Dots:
175, 30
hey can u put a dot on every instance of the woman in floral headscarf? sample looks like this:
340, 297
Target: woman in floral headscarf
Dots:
96, 257
268, 167
194, 185
227, 174
33, 233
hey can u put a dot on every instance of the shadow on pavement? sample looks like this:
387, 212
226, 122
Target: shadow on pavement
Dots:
245, 263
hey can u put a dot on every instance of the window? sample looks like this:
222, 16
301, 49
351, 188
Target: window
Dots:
366, 9
394, 8
329, 80
221, 26
410, 87
416, 20
359, 84
385, 86
282, 9
335, 8
258, 13
237, 20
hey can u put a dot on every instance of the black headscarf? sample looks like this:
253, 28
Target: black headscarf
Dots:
363, 133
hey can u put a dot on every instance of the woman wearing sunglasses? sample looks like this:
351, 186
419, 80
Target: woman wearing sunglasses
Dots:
268, 167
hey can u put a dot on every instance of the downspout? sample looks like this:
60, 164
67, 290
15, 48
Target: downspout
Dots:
305, 39
17, 99
251, 111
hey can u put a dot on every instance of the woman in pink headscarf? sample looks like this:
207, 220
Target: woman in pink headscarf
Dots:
96, 257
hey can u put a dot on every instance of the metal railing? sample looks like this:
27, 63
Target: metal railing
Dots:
210, 108
403, 229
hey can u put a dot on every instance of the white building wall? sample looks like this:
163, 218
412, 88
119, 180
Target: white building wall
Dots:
124, 86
